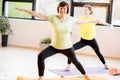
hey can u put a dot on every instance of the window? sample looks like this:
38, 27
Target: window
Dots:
96, 1
0, 7
116, 13
12, 12
101, 8
98, 12
35, 5
51, 7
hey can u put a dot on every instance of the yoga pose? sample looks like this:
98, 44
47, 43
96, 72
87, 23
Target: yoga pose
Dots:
87, 35
61, 41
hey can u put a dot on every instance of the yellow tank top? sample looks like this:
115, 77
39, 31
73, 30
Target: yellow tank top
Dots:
87, 30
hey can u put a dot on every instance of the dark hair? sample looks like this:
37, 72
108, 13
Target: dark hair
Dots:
63, 4
90, 8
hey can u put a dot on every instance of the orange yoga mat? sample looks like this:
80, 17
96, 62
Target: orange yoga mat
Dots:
93, 77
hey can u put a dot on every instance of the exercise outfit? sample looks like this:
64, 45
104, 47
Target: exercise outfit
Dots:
87, 35
61, 43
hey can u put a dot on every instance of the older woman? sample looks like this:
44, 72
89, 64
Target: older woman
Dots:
88, 34
61, 42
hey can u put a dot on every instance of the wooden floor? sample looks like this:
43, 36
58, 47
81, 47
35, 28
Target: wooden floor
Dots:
16, 62
92, 77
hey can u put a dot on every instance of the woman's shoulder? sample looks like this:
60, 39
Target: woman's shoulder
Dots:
52, 16
84, 17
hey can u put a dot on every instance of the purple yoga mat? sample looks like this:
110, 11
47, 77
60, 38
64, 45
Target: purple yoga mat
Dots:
93, 70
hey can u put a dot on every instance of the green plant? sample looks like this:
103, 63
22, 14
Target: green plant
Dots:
46, 41
5, 26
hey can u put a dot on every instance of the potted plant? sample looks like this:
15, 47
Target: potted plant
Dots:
5, 30
45, 43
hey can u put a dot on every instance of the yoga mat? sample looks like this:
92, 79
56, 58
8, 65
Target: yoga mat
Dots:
93, 70
93, 77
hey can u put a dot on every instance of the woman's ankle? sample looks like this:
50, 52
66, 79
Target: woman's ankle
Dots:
86, 77
40, 78
105, 66
67, 68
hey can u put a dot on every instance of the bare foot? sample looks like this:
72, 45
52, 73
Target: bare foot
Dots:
86, 77
40, 78
67, 68
105, 66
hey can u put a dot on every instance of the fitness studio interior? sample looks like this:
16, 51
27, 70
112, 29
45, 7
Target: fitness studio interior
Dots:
24, 37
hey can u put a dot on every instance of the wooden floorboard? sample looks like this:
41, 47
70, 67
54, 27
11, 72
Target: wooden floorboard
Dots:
92, 77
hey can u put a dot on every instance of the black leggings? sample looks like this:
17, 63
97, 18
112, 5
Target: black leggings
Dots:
91, 43
49, 51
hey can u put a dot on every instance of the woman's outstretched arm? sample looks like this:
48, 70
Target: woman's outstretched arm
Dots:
85, 21
93, 21
103, 23
33, 13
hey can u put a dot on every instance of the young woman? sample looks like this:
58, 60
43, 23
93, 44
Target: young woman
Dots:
87, 35
61, 42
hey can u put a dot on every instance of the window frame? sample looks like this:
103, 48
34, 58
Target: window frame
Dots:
29, 1
112, 5
108, 6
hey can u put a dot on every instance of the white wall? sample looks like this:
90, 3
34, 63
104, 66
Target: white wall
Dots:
28, 33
